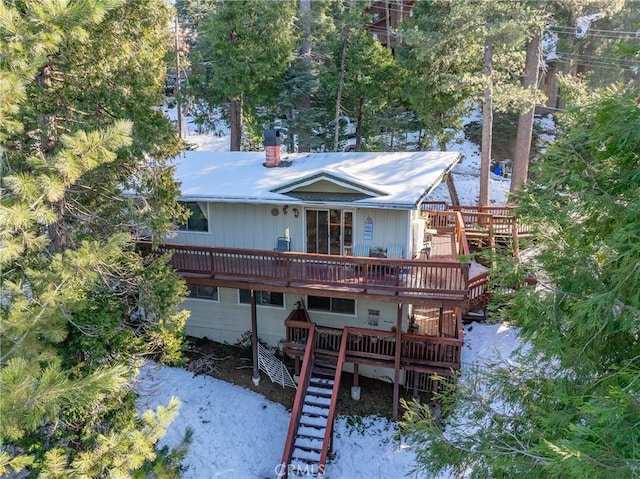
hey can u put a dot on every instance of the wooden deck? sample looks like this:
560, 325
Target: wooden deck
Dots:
418, 352
435, 282
483, 225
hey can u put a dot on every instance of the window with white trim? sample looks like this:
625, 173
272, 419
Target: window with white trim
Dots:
201, 291
264, 298
333, 305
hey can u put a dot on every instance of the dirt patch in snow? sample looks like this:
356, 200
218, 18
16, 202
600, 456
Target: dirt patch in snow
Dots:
233, 364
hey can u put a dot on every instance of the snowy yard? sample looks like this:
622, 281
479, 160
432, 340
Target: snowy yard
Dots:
238, 434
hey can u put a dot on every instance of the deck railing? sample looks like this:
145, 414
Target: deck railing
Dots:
450, 222
408, 279
505, 223
376, 347
478, 287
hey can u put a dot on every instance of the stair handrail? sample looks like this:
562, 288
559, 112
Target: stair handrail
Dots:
461, 233
328, 432
298, 403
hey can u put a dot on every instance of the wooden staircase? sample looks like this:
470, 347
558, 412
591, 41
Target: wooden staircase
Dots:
310, 437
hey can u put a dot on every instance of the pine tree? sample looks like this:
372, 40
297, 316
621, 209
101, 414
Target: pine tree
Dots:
80, 82
297, 98
244, 49
569, 407
464, 52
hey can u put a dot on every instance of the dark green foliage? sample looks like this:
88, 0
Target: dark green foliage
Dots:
242, 52
569, 406
82, 131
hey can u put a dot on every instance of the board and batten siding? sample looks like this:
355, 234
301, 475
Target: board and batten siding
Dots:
252, 226
258, 226
227, 321
390, 228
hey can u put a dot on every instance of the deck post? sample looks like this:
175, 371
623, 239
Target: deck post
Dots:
396, 373
356, 375
254, 339
514, 235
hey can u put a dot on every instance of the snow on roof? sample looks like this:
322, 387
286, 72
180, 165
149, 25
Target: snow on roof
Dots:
583, 23
402, 179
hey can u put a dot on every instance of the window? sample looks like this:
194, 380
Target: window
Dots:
197, 220
334, 305
264, 298
199, 291
374, 317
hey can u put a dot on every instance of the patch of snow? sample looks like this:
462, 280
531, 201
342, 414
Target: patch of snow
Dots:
238, 434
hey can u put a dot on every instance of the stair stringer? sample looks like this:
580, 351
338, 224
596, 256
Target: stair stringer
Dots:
312, 468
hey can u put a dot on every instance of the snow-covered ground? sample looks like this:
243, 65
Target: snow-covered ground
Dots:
238, 434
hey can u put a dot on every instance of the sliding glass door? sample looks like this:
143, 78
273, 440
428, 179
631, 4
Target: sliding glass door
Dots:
329, 231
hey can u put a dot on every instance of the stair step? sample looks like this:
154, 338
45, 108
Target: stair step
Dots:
329, 362
321, 381
314, 421
311, 431
308, 444
310, 410
323, 371
319, 401
310, 456
321, 391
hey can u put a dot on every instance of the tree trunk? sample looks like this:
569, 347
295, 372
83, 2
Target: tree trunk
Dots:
359, 125
343, 68
58, 234
453, 192
487, 124
525, 121
304, 137
235, 123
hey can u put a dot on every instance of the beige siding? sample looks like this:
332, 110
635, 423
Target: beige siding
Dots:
390, 228
247, 226
255, 227
226, 321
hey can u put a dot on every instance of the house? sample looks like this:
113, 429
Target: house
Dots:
386, 17
343, 204
337, 259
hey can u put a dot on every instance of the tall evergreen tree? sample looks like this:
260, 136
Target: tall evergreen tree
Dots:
464, 52
297, 100
244, 49
437, 56
81, 81
570, 407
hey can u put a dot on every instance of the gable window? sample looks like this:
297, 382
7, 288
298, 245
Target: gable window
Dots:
200, 291
333, 305
197, 219
264, 298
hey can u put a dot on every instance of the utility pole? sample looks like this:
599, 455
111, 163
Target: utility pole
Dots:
176, 88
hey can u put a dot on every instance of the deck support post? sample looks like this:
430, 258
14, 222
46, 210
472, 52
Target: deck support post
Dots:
396, 373
356, 375
254, 339
516, 242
